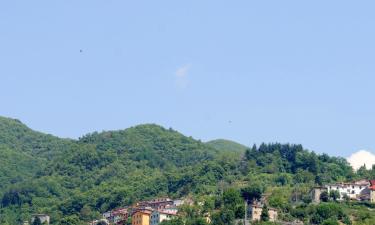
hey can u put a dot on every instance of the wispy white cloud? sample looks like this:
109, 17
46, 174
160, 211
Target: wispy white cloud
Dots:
361, 158
182, 76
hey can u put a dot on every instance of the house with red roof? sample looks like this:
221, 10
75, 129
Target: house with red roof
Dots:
372, 191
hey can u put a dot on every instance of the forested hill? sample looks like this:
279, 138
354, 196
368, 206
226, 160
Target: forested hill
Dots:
227, 145
17, 136
152, 143
24, 152
101, 171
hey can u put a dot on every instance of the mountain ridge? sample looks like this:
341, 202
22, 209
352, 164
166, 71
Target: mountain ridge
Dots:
104, 170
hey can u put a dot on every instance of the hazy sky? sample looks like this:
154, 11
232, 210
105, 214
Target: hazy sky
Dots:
250, 71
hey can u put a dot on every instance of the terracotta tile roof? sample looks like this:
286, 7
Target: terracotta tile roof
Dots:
372, 185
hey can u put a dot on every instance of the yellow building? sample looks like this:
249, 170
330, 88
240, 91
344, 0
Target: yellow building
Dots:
141, 217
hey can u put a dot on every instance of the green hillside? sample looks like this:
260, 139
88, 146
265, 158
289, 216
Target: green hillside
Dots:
16, 166
227, 145
17, 136
76, 180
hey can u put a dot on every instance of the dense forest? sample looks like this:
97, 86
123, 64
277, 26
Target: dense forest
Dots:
75, 180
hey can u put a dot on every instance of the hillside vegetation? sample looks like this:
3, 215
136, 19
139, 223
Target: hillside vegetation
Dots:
227, 145
76, 180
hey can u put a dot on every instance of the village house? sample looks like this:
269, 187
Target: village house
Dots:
158, 204
118, 216
185, 201
178, 202
141, 217
43, 218
172, 209
95, 222
316, 192
256, 212
144, 212
159, 216
362, 190
107, 214
372, 191
354, 190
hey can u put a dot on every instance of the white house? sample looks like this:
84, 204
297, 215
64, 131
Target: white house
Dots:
178, 202
159, 216
95, 222
353, 190
43, 218
171, 209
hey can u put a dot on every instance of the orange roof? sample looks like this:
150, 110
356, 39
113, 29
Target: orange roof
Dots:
372, 185
142, 211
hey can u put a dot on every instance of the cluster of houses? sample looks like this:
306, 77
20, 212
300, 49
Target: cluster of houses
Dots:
361, 190
143, 213
155, 211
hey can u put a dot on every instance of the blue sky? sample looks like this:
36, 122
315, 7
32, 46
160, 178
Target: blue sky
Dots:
250, 71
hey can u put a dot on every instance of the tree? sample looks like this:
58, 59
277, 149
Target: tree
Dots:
335, 194
240, 211
346, 197
252, 192
330, 222
224, 217
209, 205
232, 198
175, 221
86, 213
324, 197
327, 211
70, 220
264, 216
197, 221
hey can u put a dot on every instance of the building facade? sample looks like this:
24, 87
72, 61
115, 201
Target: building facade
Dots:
372, 191
159, 216
158, 204
141, 217
256, 212
118, 216
355, 190
43, 218
316, 192
101, 221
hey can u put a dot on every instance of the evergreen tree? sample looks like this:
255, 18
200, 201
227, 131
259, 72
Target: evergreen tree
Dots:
265, 216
